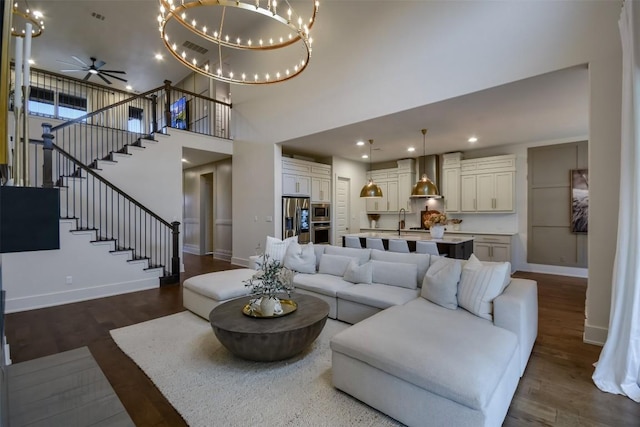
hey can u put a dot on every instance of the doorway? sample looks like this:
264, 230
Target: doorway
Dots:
206, 214
343, 203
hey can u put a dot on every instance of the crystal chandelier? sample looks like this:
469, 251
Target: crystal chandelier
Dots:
225, 24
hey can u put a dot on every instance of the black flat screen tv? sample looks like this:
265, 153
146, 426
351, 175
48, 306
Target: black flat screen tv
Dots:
179, 116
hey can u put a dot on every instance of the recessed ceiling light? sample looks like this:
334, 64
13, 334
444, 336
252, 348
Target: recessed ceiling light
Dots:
411, 149
31, 62
365, 156
184, 161
129, 87
158, 56
473, 139
360, 143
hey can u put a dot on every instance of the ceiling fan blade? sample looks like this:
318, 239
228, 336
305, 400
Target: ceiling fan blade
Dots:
87, 76
68, 63
103, 78
113, 71
99, 64
71, 71
113, 77
80, 61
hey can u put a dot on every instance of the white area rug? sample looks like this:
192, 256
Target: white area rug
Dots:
209, 386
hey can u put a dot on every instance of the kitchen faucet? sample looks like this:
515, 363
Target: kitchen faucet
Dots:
402, 222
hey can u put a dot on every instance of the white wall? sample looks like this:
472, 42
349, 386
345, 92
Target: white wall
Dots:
431, 51
256, 181
517, 222
39, 279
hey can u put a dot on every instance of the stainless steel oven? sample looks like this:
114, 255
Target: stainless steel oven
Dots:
320, 212
321, 233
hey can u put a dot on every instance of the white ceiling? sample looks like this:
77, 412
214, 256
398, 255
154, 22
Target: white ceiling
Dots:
543, 108
192, 157
548, 107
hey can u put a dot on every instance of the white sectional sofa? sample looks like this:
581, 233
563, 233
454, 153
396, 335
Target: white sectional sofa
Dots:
423, 363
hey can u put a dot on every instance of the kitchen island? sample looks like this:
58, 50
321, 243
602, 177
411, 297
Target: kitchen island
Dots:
453, 247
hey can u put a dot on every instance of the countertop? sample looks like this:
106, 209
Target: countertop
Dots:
407, 230
413, 237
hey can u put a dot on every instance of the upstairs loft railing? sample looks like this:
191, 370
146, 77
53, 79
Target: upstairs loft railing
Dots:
61, 97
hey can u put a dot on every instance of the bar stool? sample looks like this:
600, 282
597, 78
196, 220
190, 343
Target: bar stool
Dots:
423, 247
374, 243
398, 245
352, 242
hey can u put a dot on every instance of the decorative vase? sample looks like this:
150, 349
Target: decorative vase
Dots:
268, 306
373, 223
437, 231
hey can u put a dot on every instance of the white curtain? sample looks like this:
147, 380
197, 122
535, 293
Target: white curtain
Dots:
618, 370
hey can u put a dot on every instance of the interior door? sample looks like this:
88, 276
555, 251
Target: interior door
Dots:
341, 222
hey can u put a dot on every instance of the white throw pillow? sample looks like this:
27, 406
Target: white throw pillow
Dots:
440, 285
276, 248
480, 285
300, 258
357, 273
395, 274
335, 265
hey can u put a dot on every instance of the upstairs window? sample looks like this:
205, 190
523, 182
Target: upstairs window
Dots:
135, 120
71, 107
42, 101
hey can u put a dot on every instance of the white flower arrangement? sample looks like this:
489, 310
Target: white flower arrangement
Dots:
270, 280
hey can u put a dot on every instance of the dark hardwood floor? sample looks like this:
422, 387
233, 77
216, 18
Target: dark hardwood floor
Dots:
555, 390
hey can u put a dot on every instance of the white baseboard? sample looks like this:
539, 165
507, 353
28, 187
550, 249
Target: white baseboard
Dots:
594, 334
76, 295
191, 249
242, 262
222, 254
554, 269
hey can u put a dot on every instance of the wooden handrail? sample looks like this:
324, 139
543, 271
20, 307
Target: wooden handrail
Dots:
110, 185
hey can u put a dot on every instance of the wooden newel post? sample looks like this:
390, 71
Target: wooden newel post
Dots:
175, 256
47, 167
154, 113
167, 103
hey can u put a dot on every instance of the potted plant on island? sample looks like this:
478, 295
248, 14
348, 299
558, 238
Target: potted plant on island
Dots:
435, 223
270, 280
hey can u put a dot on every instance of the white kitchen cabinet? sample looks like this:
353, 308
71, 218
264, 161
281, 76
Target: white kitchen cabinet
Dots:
320, 190
451, 189
392, 196
302, 178
495, 248
396, 185
495, 192
296, 185
379, 204
487, 184
468, 193
405, 185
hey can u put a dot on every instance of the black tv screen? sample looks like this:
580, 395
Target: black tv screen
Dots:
179, 114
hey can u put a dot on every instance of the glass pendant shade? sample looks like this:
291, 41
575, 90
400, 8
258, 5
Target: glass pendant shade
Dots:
425, 187
370, 190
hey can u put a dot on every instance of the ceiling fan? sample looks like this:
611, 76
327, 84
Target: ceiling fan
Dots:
94, 69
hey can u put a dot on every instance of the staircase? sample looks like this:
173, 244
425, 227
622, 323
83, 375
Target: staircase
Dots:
74, 155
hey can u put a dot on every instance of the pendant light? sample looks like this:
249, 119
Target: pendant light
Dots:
425, 187
371, 190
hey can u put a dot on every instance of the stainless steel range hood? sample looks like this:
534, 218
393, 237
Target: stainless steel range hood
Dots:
429, 165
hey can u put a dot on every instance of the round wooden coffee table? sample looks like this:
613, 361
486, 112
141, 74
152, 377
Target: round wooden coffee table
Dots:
269, 339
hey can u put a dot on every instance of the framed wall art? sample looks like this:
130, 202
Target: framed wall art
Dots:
579, 200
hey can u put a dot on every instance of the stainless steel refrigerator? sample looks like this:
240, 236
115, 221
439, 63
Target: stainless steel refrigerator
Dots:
296, 219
